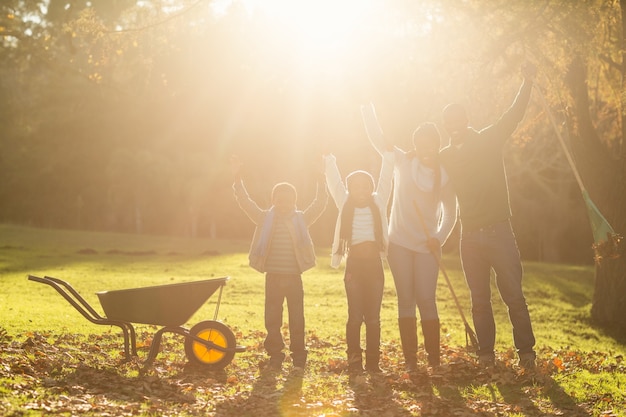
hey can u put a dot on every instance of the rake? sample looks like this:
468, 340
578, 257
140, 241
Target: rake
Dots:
606, 241
470, 335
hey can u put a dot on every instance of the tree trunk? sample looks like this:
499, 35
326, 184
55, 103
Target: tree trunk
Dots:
603, 175
609, 298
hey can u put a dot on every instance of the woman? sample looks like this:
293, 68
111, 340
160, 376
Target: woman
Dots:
422, 199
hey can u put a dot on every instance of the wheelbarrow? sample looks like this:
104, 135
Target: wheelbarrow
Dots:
209, 343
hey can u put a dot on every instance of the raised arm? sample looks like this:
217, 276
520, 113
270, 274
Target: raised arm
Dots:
372, 128
386, 177
317, 207
508, 122
336, 187
252, 210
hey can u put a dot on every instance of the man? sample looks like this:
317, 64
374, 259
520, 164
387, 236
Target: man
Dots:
475, 164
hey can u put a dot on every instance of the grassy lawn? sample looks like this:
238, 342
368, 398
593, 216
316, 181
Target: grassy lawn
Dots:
55, 362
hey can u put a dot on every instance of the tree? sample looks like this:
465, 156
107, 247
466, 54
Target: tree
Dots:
582, 45
601, 154
123, 110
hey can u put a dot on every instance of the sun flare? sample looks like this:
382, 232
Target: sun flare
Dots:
321, 30
318, 23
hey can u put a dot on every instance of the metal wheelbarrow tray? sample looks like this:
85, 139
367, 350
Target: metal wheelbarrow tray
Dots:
209, 343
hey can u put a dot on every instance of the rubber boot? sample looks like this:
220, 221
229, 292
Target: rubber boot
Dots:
430, 329
408, 337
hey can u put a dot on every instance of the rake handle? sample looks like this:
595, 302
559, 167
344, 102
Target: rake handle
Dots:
468, 328
568, 155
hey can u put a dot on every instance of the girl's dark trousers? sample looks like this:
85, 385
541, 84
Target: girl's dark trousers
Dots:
364, 281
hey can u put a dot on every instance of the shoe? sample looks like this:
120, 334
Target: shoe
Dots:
372, 360
527, 361
487, 361
373, 369
276, 362
297, 371
434, 361
528, 364
299, 359
411, 367
355, 369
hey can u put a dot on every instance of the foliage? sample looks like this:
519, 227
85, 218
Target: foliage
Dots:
54, 362
120, 115
53, 374
129, 112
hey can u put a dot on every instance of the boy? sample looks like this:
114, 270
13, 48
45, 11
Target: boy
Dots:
282, 249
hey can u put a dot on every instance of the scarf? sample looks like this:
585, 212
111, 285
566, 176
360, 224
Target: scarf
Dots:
347, 219
428, 179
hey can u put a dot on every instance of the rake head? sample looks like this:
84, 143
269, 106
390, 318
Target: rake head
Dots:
607, 249
606, 243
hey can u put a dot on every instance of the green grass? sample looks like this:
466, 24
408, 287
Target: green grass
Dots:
580, 362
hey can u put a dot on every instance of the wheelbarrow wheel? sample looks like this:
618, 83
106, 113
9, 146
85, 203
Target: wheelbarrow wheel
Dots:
217, 333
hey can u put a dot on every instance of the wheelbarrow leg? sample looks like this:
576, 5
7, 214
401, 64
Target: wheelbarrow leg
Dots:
156, 341
130, 339
133, 339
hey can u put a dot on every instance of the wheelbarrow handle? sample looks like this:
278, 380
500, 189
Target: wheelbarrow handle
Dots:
76, 295
82, 306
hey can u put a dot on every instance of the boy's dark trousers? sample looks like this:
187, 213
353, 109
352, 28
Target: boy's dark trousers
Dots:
364, 280
279, 287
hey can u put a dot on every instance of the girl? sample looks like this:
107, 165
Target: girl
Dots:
361, 238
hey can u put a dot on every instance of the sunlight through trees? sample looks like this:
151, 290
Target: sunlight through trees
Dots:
122, 115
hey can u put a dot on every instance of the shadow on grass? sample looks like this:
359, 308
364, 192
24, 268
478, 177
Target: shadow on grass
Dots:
462, 390
434, 395
376, 396
272, 394
571, 284
612, 331
110, 385
455, 389
535, 394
